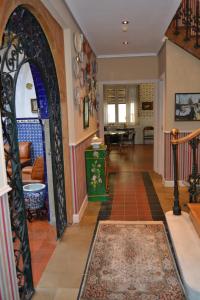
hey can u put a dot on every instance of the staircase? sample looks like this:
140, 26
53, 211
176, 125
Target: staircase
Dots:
184, 29
195, 215
184, 227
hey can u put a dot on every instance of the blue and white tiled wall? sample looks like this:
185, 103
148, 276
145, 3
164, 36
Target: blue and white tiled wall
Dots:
40, 92
30, 130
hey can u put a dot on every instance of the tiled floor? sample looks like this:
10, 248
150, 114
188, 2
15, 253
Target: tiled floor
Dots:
126, 205
130, 201
42, 239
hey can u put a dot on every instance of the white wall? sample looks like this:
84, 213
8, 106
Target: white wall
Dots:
23, 94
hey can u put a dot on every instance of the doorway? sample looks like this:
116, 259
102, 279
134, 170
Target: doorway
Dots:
24, 42
130, 107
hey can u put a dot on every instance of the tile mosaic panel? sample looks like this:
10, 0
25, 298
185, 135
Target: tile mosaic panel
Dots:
30, 130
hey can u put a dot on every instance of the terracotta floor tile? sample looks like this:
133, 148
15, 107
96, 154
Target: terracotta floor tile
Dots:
131, 218
117, 217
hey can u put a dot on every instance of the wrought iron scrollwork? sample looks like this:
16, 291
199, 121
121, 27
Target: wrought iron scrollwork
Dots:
24, 42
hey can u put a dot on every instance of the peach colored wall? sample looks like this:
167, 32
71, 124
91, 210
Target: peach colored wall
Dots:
127, 68
162, 60
182, 76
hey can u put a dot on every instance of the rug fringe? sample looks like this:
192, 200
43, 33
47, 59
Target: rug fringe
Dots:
130, 222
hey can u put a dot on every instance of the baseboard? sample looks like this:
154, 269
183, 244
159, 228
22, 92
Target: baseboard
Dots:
170, 183
77, 217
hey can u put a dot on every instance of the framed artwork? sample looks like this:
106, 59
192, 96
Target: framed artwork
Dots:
187, 107
34, 106
147, 105
86, 112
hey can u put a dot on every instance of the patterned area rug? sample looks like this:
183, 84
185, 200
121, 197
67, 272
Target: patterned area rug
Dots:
131, 261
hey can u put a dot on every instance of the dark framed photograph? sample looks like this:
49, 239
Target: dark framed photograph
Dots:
86, 112
187, 107
34, 106
147, 105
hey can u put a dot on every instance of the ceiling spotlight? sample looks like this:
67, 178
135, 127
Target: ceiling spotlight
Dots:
125, 22
125, 43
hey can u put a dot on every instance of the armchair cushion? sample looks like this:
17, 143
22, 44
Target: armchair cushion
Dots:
24, 150
34, 173
24, 153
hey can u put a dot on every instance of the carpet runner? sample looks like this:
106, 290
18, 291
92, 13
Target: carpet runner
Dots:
131, 260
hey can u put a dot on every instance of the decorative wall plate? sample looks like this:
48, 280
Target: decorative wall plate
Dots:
76, 67
29, 86
77, 95
78, 42
81, 78
81, 56
84, 62
94, 67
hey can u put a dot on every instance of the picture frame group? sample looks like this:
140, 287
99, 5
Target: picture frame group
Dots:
187, 107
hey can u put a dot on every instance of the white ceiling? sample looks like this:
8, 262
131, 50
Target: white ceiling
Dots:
100, 20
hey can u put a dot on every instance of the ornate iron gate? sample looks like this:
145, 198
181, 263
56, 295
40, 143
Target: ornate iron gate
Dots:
24, 42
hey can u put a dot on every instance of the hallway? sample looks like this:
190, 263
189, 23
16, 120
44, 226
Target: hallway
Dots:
131, 200
129, 183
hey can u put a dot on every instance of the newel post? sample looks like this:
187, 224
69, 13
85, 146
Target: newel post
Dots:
176, 206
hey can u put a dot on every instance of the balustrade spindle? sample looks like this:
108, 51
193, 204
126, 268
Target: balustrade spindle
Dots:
197, 25
176, 206
187, 20
193, 179
177, 19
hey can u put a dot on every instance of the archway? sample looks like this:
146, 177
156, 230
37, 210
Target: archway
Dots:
24, 41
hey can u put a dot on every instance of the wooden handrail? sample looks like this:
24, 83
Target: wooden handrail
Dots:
187, 138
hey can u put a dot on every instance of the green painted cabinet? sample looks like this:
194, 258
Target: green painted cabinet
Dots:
96, 173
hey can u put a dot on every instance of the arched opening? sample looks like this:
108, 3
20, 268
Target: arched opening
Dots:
25, 45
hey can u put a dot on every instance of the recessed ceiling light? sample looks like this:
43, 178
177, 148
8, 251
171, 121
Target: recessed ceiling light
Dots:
125, 22
125, 43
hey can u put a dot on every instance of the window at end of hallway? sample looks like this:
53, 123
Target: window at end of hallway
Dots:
111, 113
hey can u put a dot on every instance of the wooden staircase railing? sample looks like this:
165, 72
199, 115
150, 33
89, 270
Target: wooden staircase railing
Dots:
194, 177
184, 29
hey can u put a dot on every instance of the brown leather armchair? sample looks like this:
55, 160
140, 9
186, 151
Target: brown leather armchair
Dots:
24, 155
35, 173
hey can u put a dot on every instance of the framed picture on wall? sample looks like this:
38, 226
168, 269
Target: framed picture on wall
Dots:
147, 105
187, 107
34, 106
86, 112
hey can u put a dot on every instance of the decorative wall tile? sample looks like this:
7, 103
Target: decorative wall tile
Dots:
30, 130
40, 92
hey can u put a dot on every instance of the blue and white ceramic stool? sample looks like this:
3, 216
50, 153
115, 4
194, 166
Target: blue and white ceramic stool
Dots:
34, 197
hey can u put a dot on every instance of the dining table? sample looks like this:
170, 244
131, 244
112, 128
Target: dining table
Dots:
114, 137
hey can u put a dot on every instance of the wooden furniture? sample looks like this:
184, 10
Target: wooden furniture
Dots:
129, 136
96, 173
113, 138
34, 173
24, 155
148, 135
